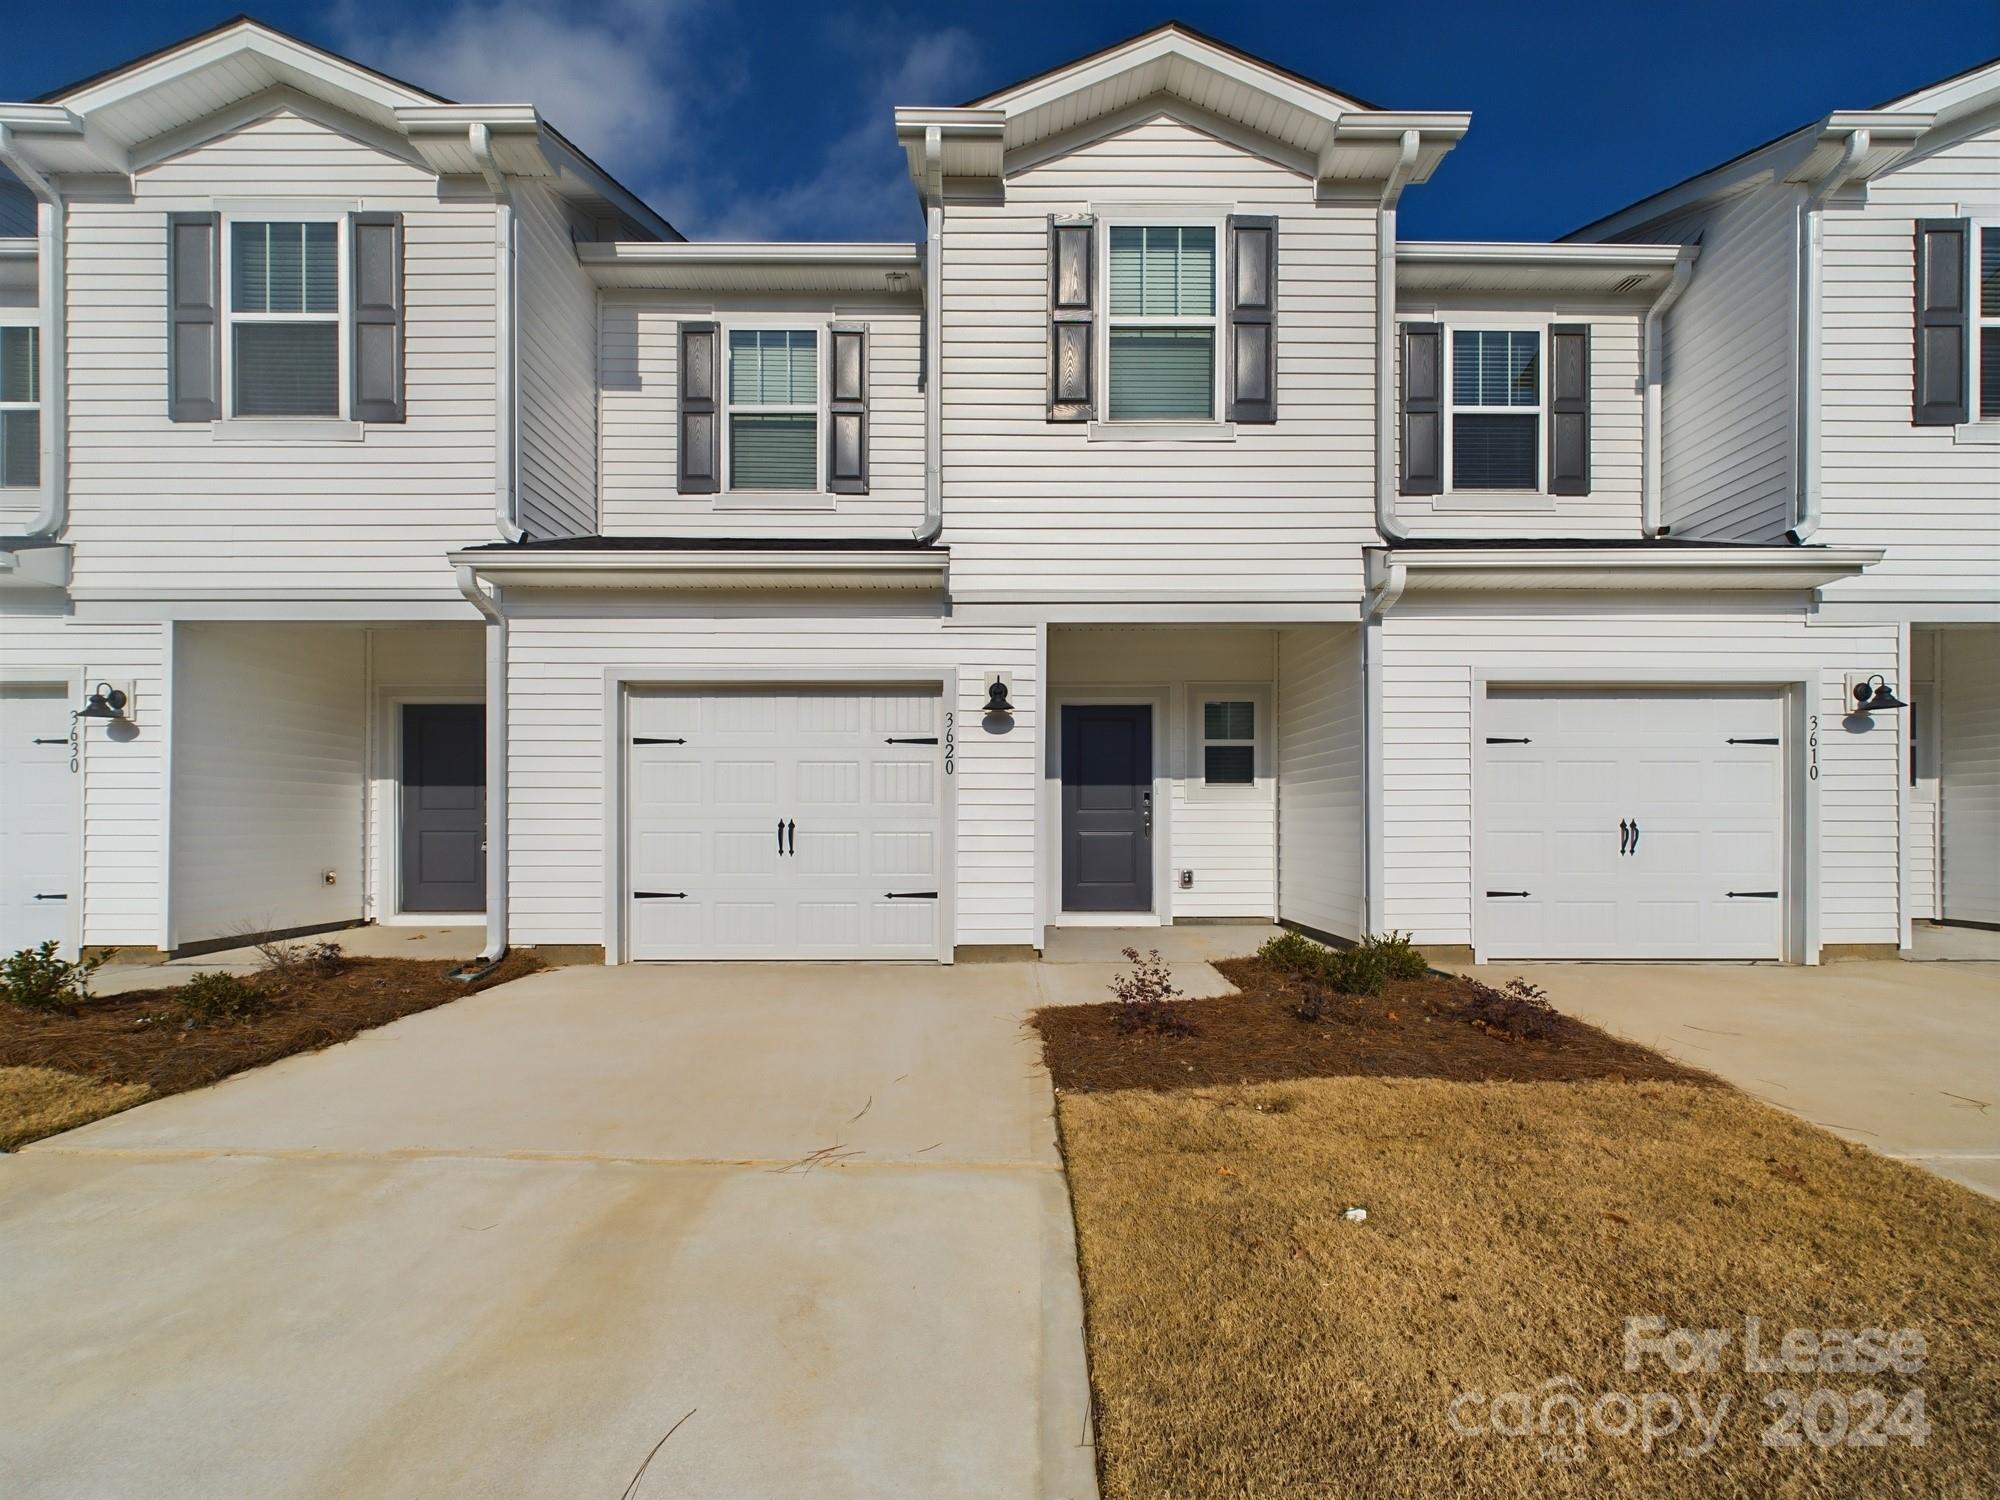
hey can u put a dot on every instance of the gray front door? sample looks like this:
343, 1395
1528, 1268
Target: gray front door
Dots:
1107, 807
444, 807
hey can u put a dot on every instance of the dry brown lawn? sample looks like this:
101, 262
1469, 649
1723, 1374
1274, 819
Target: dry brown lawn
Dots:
1247, 1340
35, 1102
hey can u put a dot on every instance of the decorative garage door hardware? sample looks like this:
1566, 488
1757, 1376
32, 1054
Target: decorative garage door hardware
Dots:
1510, 893
909, 895
787, 828
659, 895
58, 740
640, 739
58, 896
1498, 739
1628, 831
930, 739
1772, 740
1766, 895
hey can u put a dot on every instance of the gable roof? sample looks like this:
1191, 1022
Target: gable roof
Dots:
1934, 104
96, 124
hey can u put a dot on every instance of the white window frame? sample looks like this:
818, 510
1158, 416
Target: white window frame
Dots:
817, 409
1199, 696
1213, 322
339, 317
29, 317
1539, 411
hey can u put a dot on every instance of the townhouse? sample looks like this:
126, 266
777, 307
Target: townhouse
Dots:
403, 523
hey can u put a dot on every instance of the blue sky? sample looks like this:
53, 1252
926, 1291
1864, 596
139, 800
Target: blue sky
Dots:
771, 120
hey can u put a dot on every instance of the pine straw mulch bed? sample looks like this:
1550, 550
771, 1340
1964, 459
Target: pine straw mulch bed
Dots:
1413, 1029
143, 1039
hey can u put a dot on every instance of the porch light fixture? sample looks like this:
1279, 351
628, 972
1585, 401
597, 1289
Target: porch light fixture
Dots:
106, 702
1874, 694
996, 698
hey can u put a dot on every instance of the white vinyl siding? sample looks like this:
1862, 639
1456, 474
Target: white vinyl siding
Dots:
20, 406
1321, 788
270, 743
1227, 836
1430, 656
1035, 507
121, 772
559, 658
637, 364
164, 506
557, 340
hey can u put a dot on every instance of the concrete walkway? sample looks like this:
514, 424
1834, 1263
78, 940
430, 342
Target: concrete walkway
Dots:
1901, 1057
813, 1215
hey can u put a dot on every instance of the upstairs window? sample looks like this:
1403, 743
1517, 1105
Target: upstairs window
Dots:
1229, 742
1496, 409
20, 406
1162, 323
1988, 303
284, 317
773, 391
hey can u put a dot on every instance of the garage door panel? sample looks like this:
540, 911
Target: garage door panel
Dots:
861, 819
39, 824
1710, 818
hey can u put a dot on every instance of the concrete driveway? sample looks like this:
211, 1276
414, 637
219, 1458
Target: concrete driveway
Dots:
1902, 1057
809, 1219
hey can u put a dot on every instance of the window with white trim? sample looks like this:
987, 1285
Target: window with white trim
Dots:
20, 406
1496, 397
1161, 327
1986, 310
772, 393
284, 310
1229, 742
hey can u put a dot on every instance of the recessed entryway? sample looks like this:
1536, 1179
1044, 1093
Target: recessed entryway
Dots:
1107, 807
1631, 823
442, 838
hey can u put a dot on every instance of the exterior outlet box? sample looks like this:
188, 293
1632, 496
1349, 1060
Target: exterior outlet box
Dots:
1187, 880
329, 877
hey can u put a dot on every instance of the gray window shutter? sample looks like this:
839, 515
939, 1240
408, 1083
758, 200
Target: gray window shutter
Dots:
1253, 318
847, 410
1569, 409
376, 248
194, 317
1423, 409
1944, 304
700, 444
1071, 286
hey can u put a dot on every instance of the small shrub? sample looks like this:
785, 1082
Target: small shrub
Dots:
1520, 1010
1361, 969
1293, 952
219, 996
287, 961
1147, 997
40, 980
1400, 960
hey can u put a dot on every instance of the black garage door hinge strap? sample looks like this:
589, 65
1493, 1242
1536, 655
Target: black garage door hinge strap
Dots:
909, 895
1767, 895
1496, 739
640, 739
1772, 740
929, 739
1510, 893
659, 895
57, 896
57, 741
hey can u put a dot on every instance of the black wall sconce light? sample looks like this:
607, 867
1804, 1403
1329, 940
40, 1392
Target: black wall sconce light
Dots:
1874, 694
105, 702
997, 702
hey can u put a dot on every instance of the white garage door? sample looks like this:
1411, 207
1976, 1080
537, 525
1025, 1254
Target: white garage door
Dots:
38, 816
1640, 824
784, 823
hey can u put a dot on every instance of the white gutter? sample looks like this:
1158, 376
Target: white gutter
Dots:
1808, 401
506, 501
50, 235
1385, 338
933, 335
496, 764
1656, 322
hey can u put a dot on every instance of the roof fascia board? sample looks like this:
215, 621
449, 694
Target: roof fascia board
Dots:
222, 45
626, 568
1160, 44
1436, 570
1507, 253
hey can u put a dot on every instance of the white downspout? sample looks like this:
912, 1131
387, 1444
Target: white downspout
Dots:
1385, 585
933, 336
1656, 354
506, 507
496, 773
50, 235
1385, 338
1810, 242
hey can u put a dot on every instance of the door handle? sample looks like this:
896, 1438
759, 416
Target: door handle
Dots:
1624, 835
781, 838
1635, 835
792, 837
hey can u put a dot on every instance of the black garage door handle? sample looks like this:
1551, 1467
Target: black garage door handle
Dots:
659, 895
1510, 893
909, 895
1766, 895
